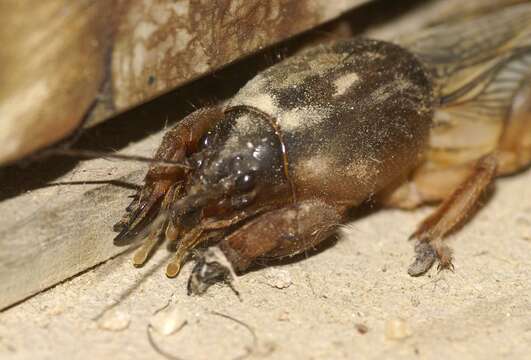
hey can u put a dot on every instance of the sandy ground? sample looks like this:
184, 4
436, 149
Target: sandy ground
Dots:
351, 300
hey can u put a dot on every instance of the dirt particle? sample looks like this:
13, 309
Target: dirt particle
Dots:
362, 328
265, 349
168, 321
54, 310
114, 320
6, 347
280, 279
397, 329
284, 316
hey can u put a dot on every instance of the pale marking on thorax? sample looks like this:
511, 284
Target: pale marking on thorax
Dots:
343, 83
316, 166
302, 117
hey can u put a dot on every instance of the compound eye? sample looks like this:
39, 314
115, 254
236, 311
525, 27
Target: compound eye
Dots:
206, 140
245, 182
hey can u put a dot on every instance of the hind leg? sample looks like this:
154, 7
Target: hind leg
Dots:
453, 211
276, 234
514, 149
513, 154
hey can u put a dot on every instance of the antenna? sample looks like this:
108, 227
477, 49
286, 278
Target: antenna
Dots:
89, 154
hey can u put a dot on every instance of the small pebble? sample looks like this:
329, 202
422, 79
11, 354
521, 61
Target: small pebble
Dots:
284, 316
362, 328
397, 329
114, 320
54, 310
168, 321
280, 279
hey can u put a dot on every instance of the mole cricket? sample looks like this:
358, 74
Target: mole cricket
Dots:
434, 117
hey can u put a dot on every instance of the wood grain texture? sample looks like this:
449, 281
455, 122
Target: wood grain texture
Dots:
52, 233
58, 241
52, 67
65, 63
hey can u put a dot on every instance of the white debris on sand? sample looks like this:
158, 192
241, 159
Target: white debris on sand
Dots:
114, 320
168, 321
397, 329
280, 279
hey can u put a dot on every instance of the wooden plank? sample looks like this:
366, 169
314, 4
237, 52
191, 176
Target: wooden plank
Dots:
51, 233
53, 60
71, 62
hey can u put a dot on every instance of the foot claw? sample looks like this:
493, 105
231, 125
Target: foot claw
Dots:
424, 259
445, 266
211, 267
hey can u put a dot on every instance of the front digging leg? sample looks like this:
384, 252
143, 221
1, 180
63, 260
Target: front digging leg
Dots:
276, 234
163, 183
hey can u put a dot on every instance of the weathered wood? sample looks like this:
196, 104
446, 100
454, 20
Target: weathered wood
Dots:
65, 61
52, 233
432, 12
52, 64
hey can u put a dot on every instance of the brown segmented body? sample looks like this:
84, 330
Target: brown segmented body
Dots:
353, 116
273, 172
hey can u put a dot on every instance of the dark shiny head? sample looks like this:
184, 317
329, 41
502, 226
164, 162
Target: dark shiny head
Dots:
231, 169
